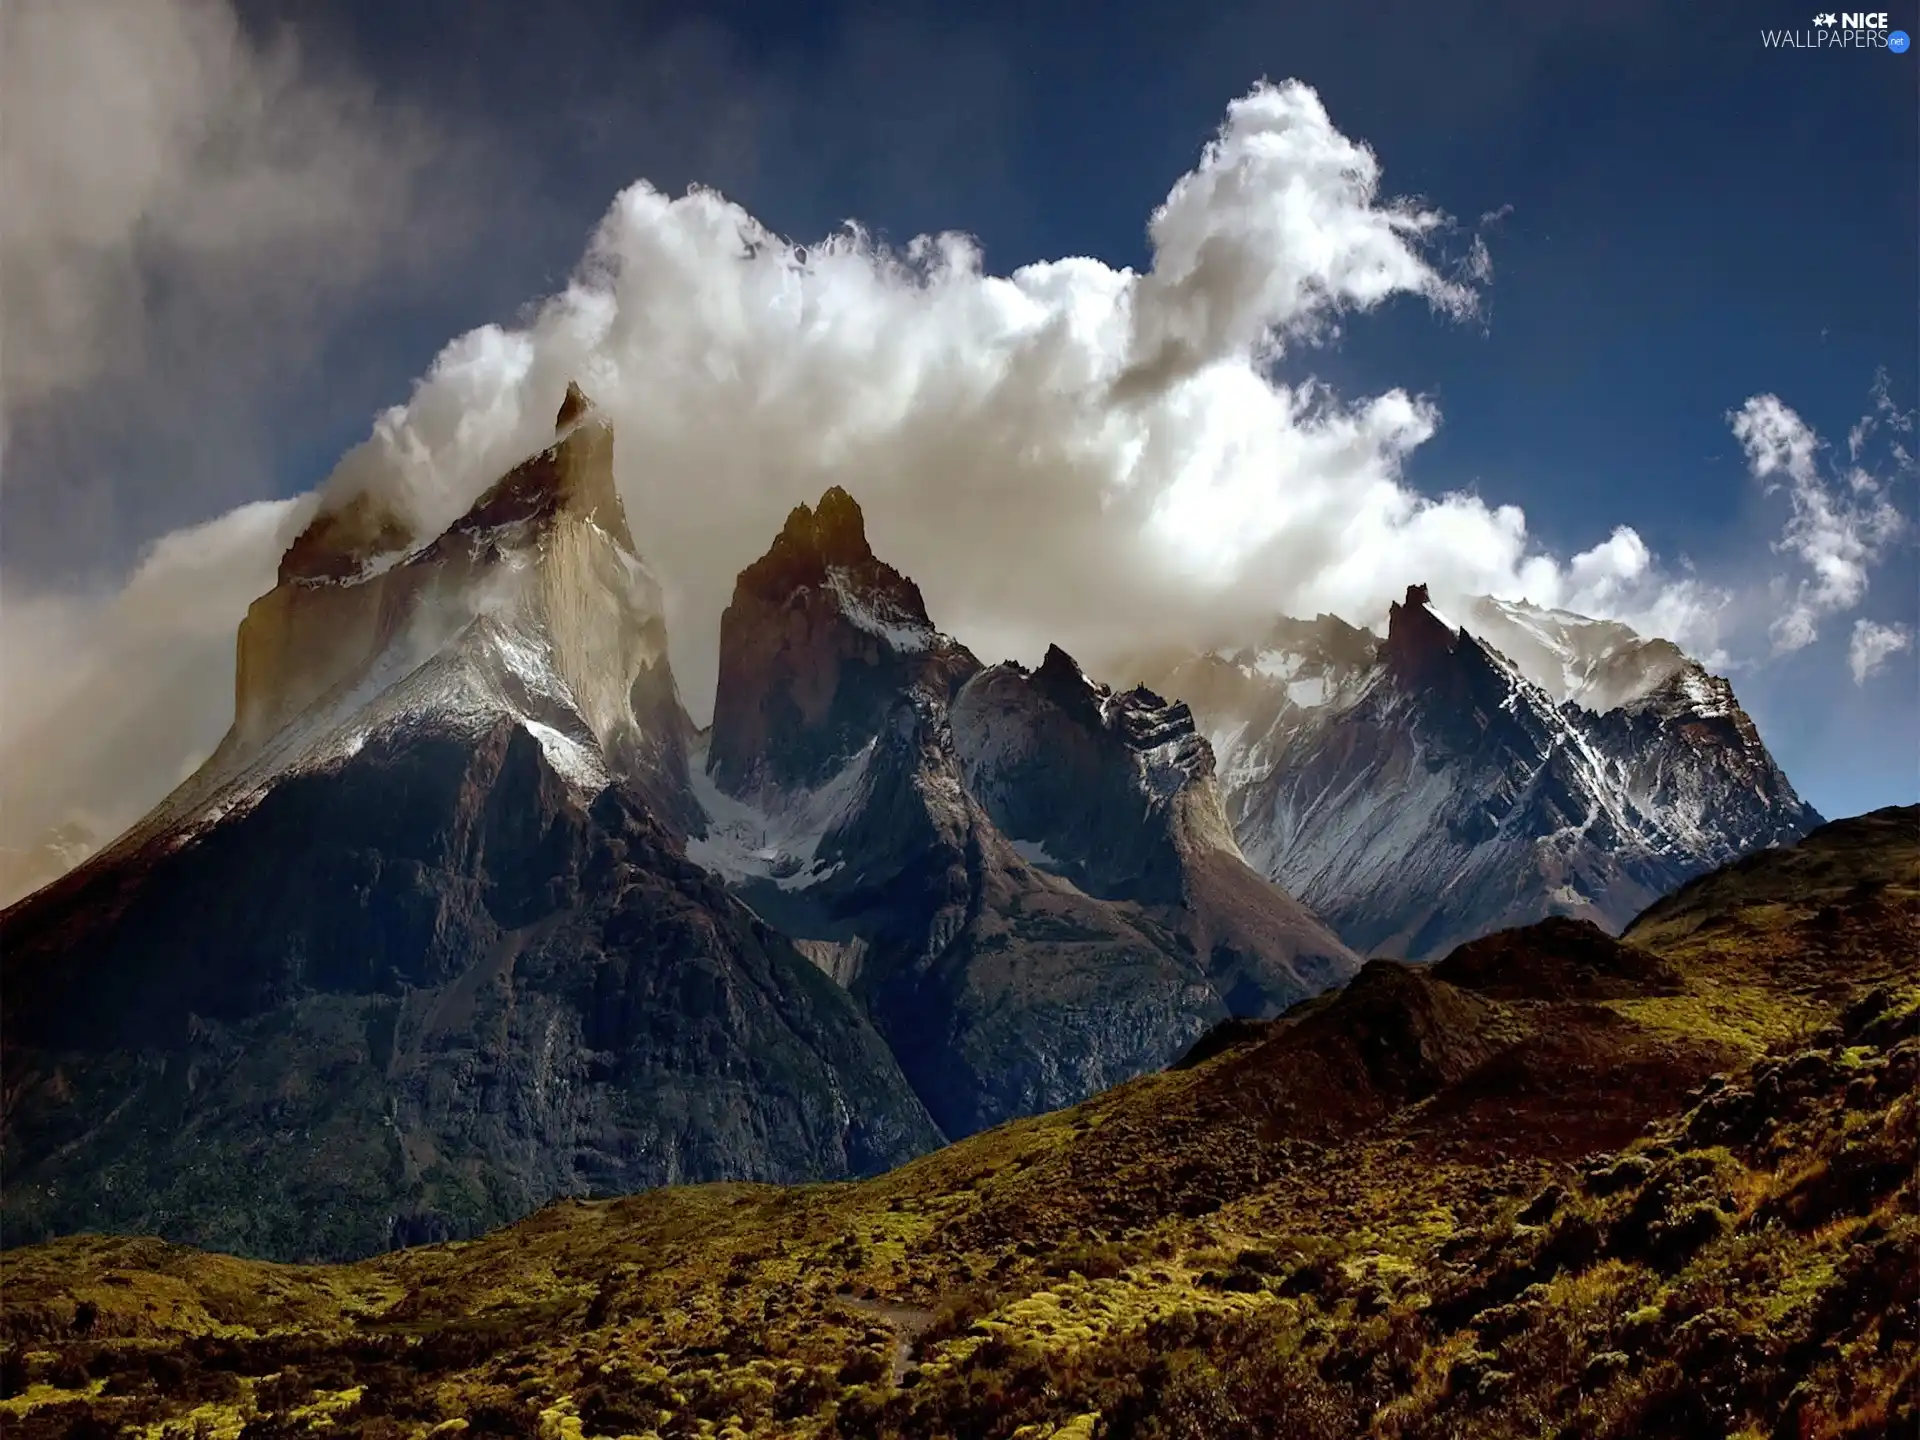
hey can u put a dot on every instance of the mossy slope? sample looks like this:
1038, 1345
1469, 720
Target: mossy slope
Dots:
1611, 1196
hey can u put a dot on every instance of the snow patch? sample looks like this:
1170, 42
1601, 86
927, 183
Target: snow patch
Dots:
776, 836
577, 763
1034, 853
1599, 665
1161, 773
1310, 693
1702, 696
901, 632
1278, 664
1229, 755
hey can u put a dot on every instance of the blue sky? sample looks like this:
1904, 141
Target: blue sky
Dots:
1689, 219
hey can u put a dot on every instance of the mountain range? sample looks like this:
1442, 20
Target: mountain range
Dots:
1424, 787
464, 913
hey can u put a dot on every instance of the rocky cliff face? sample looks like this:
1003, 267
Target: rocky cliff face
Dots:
1116, 788
535, 602
1424, 788
820, 641
419, 950
1116, 792
1026, 880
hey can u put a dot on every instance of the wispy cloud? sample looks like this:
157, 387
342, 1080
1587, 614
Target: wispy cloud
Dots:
109, 698
1839, 526
189, 208
1873, 645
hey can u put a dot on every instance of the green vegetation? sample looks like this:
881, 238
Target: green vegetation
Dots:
1491, 1205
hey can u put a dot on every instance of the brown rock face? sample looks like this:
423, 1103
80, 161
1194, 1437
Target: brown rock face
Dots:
1025, 878
545, 550
820, 642
1417, 640
338, 543
433, 893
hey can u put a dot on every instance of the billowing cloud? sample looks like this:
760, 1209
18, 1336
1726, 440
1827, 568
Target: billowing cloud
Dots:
111, 699
1873, 644
1277, 231
1837, 531
1070, 452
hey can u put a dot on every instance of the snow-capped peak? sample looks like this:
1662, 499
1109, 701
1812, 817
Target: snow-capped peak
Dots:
1596, 664
532, 608
1450, 778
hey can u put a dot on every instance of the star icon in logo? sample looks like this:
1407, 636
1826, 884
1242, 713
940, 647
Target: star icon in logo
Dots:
1824, 21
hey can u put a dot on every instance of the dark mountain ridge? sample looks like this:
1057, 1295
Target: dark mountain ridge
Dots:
1025, 879
463, 914
429, 953
1422, 788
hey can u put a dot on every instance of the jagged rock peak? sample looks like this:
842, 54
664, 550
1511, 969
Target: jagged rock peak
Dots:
1415, 635
1060, 668
1061, 680
819, 641
574, 406
826, 546
818, 538
573, 475
835, 530
1139, 716
545, 552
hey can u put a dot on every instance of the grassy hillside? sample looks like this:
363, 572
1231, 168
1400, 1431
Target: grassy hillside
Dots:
1557, 1185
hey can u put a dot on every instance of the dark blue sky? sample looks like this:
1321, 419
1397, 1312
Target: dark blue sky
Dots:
1694, 218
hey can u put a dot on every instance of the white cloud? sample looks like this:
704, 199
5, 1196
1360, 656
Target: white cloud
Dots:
108, 696
1837, 536
1873, 645
1278, 230
1070, 452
